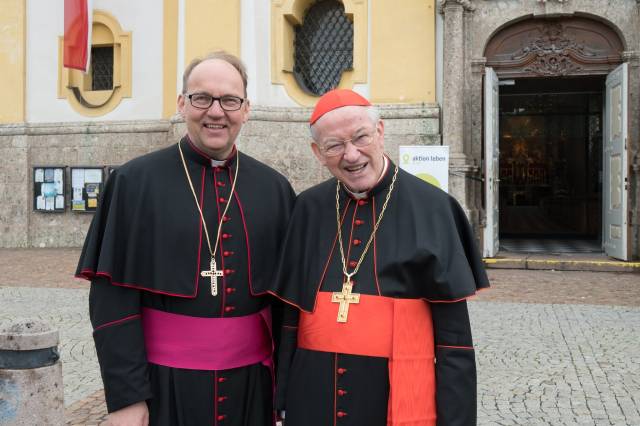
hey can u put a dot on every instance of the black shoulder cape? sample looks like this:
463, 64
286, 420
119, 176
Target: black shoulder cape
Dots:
424, 247
147, 232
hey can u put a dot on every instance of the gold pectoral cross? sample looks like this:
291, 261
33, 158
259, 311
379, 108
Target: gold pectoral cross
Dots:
345, 298
213, 273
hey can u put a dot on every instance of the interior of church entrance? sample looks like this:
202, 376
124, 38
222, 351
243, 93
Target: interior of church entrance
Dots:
550, 164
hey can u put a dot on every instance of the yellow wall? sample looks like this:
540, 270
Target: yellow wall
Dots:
211, 25
403, 45
169, 58
12, 61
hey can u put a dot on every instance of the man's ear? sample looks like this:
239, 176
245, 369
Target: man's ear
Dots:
380, 127
180, 104
380, 130
246, 110
316, 150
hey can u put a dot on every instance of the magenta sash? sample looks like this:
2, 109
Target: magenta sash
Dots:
196, 343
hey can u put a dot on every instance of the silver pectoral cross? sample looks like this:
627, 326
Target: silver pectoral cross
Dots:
345, 298
213, 273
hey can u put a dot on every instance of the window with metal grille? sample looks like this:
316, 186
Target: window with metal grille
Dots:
102, 68
323, 47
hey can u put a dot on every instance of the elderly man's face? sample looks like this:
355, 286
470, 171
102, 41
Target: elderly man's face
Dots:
214, 130
358, 167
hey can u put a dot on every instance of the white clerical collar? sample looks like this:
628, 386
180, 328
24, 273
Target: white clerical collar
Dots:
217, 163
356, 195
365, 194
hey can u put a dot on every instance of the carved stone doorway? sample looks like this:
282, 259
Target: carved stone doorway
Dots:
552, 73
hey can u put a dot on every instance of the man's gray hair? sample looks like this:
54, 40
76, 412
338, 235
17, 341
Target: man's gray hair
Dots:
372, 111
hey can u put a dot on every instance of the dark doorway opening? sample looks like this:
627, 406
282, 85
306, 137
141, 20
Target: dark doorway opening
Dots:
551, 159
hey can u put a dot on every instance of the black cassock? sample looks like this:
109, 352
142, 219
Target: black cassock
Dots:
423, 249
145, 249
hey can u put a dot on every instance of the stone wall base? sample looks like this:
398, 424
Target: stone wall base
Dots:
278, 137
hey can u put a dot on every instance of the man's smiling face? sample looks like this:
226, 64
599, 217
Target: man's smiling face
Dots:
359, 168
214, 130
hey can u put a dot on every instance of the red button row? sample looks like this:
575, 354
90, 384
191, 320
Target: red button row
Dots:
221, 417
341, 392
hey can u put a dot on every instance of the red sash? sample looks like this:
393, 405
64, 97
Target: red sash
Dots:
398, 329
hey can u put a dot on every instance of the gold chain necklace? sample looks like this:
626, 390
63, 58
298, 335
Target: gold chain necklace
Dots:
213, 273
346, 297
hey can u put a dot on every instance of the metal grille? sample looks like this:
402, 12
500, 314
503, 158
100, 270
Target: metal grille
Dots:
323, 47
102, 68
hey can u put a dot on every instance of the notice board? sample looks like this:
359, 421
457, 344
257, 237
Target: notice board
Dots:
48, 189
86, 187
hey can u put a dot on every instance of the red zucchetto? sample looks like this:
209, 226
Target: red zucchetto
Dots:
336, 98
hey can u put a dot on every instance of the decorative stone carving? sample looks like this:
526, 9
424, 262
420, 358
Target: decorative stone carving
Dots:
553, 41
554, 47
554, 64
552, 52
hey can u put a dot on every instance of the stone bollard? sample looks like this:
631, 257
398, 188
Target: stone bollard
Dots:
30, 374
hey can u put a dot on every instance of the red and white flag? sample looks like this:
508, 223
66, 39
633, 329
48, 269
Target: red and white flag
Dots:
78, 16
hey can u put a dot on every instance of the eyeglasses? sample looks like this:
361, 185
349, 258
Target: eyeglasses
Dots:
204, 101
335, 147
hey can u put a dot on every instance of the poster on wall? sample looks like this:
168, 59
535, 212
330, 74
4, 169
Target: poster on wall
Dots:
48, 189
86, 186
429, 163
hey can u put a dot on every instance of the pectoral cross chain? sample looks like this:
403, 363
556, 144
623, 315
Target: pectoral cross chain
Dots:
345, 298
213, 273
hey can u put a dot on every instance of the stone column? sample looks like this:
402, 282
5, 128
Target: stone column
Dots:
453, 79
454, 126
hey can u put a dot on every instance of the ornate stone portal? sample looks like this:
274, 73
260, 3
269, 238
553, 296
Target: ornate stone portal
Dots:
532, 39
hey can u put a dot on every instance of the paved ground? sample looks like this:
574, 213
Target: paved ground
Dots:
553, 348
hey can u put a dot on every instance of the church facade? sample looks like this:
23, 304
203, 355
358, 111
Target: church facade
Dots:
536, 100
